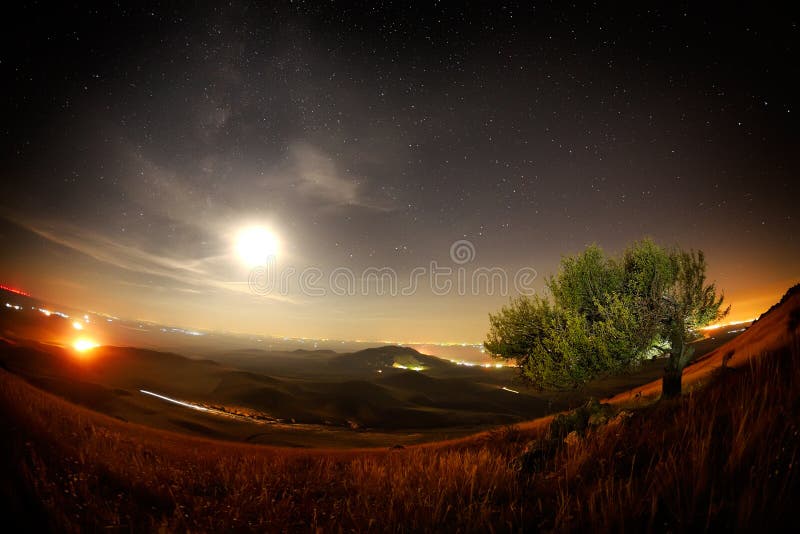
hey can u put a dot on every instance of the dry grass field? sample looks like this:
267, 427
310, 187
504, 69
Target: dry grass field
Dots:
722, 457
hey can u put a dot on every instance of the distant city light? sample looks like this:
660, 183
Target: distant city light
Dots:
14, 290
408, 367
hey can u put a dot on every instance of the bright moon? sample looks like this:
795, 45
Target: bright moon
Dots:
256, 246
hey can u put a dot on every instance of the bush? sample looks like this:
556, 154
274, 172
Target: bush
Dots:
590, 415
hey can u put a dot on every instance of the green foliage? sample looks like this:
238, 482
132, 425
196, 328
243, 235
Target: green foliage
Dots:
546, 341
584, 280
688, 304
606, 315
520, 327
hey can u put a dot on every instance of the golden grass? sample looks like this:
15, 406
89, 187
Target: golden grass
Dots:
723, 457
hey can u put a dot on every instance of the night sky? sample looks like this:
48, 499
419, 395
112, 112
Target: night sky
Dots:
138, 141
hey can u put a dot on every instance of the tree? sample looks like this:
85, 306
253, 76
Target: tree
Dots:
689, 304
606, 315
601, 319
547, 342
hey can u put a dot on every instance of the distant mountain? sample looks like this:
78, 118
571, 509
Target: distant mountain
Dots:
388, 357
316, 352
306, 362
111, 380
298, 362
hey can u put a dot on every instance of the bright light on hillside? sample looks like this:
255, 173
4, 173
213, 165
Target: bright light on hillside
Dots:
84, 344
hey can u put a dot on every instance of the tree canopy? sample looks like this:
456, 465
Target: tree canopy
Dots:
606, 314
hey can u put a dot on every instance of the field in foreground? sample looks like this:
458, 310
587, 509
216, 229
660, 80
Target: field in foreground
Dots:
724, 456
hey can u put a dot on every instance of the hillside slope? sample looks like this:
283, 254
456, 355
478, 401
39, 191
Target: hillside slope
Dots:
731, 448
722, 458
299, 410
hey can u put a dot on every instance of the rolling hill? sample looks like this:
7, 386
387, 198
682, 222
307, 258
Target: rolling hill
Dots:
720, 458
350, 395
376, 396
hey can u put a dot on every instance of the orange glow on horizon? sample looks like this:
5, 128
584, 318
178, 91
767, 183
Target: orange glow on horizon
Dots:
732, 323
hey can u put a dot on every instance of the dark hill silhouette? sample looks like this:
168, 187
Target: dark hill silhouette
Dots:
388, 357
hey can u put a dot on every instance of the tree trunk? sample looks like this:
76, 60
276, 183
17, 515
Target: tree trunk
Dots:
671, 383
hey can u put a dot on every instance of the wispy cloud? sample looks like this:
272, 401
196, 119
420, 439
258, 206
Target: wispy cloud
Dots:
187, 274
309, 179
317, 175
